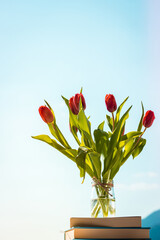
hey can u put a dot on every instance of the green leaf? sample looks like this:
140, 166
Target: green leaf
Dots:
70, 153
72, 118
85, 149
85, 128
82, 163
117, 164
128, 147
119, 111
47, 104
96, 163
86, 140
74, 133
112, 161
89, 166
87, 158
55, 131
116, 167
61, 137
52, 130
125, 138
102, 141
101, 125
141, 120
83, 122
129, 135
117, 133
139, 148
114, 141
80, 160
110, 122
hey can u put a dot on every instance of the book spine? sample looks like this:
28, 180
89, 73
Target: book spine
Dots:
112, 239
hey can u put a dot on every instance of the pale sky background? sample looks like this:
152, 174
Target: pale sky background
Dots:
52, 48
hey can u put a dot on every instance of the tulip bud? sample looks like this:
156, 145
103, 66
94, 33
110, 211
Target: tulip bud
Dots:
148, 119
46, 114
72, 106
77, 100
110, 103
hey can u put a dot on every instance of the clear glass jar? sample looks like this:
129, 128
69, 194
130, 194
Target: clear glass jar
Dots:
102, 198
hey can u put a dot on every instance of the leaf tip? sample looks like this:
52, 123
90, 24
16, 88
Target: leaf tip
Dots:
142, 105
47, 104
82, 181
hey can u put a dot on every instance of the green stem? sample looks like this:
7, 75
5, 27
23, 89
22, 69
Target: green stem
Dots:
139, 139
95, 210
113, 121
101, 192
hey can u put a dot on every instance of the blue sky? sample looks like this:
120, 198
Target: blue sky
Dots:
53, 48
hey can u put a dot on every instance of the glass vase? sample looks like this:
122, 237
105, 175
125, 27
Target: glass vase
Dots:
102, 199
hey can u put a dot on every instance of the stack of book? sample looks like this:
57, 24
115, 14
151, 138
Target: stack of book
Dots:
106, 228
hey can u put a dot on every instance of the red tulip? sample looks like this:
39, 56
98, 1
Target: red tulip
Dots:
77, 100
72, 106
110, 103
148, 119
46, 114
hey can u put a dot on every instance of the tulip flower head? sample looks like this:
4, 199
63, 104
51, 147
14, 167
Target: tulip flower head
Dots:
77, 100
110, 103
74, 103
148, 119
72, 106
46, 114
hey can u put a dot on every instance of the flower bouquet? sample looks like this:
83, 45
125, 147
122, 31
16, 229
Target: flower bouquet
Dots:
103, 154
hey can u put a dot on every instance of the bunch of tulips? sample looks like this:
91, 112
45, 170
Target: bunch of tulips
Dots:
113, 147
100, 156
